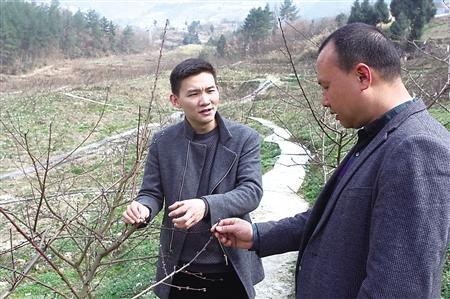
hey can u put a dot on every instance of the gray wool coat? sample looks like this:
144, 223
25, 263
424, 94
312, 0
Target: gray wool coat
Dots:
382, 232
172, 173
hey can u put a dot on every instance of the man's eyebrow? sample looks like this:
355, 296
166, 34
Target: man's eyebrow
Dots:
193, 89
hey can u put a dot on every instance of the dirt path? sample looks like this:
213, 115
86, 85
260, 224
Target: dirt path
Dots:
279, 201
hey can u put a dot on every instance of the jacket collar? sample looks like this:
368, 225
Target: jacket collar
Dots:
224, 133
416, 106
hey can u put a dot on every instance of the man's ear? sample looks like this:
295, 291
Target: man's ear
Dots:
364, 75
174, 100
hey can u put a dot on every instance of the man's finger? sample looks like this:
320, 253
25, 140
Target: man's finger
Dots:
131, 215
190, 222
134, 209
175, 205
183, 218
179, 211
127, 219
225, 241
225, 229
228, 221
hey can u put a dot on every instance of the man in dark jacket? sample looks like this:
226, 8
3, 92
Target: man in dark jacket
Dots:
380, 227
201, 170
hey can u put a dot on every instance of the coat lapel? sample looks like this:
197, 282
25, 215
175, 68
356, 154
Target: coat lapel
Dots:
321, 205
224, 159
195, 160
333, 195
221, 166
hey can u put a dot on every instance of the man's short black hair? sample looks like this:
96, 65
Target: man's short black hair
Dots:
362, 43
187, 68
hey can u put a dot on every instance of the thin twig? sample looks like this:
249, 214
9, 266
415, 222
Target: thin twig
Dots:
6, 294
38, 249
174, 272
291, 61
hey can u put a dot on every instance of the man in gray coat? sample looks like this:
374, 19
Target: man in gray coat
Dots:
380, 227
201, 170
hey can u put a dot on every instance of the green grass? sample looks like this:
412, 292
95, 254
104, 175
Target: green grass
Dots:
127, 279
445, 293
72, 119
119, 280
442, 116
35, 290
269, 155
312, 184
269, 150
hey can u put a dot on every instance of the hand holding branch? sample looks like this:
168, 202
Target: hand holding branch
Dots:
135, 213
234, 232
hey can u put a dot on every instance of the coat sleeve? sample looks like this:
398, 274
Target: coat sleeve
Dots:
275, 237
151, 193
410, 221
246, 195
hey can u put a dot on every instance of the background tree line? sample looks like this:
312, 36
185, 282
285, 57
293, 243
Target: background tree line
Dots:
256, 33
409, 17
30, 34
403, 20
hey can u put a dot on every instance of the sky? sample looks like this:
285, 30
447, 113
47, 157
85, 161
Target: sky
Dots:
142, 13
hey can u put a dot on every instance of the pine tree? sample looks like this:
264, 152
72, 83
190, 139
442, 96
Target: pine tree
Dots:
288, 11
418, 12
341, 19
382, 11
125, 43
54, 19
192, 35
9, 40
401, 26
221, 44
104, 23
369, 14
111, 33
31, 33
68, 35
355, 13
257, 24
93, 24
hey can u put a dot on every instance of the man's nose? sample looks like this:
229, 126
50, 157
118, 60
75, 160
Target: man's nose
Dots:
205, 99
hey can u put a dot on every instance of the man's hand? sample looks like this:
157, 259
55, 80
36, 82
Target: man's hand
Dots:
234, 232
187, 213
135, 213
